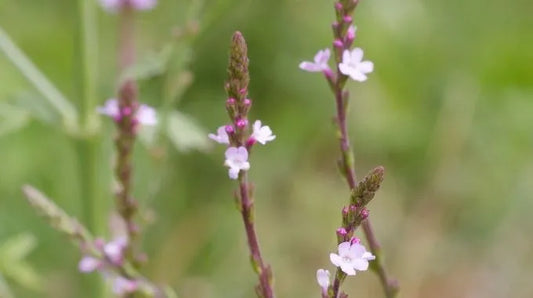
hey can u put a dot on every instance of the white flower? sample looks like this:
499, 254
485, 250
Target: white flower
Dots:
353, 66
146, 115
221, 136
114, 250
322, 277
123, 286
236, 160
262, 134
114, 5
88, 264
351, 257
320, 63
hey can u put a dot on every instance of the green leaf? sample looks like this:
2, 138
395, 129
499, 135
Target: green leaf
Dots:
185, 133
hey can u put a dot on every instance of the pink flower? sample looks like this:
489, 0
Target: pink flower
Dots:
123, 286
351, 257
146, 115
88, 264
221, 137
353, 66
236, 160
114, 5
262, 134
320, 62
114, 250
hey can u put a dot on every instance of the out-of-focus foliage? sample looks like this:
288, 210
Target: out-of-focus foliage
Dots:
447, 112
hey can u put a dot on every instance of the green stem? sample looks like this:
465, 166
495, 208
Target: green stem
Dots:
93, 202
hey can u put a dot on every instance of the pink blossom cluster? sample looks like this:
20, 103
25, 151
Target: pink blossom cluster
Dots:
114, 5
110, 260
351, 257
237, 156
351, 65
144, 115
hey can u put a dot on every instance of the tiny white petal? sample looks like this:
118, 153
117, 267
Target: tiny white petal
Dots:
122, 286
348, 269
146, 115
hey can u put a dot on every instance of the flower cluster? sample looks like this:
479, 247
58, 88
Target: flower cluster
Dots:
236, 135
352, 257
108, 263
237, 156
144, 114
114, 5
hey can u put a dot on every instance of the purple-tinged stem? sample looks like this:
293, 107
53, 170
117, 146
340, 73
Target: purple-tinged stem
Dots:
344, 10
264, 289
127, 125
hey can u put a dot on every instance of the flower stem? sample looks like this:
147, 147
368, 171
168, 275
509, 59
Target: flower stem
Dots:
125, 140
264, 289
344, 9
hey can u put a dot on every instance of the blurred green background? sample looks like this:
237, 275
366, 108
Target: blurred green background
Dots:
447, 111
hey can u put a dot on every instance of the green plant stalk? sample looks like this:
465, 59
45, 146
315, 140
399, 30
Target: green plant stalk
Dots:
93, 204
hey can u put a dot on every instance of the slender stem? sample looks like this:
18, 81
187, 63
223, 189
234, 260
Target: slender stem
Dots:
263, 270
94, 205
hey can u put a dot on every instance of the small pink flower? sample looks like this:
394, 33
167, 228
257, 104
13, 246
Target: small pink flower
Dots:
262, 134
236, 160
114, 5
145, 115
123, 286
353, 65
351, 257
221, 137
322, 277
320, 62
114, 250
88, 264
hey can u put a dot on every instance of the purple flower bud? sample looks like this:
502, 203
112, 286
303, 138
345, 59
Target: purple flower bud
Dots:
230, 101
229, 129
243, 91
88, 264
364, 213
338, 6
338, 43
329, 74
342, 232
247, 102
241, 123
345, 211
355, 240
126, 111
347, 19
353, 208
250, 142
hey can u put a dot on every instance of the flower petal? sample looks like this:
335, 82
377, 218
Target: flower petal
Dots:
348, 269
344, 248
356, 55
366, 66
360, 264
233, 173
309, 66
335, 259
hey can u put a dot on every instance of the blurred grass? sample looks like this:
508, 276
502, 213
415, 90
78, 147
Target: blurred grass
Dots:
447, 112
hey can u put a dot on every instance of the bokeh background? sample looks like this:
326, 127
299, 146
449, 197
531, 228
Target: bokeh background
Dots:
447, 111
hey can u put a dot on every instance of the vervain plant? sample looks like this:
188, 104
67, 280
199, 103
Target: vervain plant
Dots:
349, 64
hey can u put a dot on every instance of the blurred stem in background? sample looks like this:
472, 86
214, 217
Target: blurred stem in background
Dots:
93, 204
